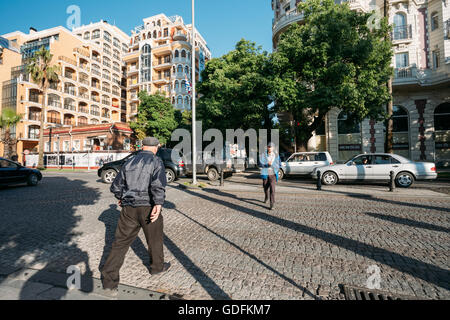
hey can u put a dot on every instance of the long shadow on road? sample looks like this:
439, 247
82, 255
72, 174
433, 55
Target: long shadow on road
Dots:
39, 229
416, 268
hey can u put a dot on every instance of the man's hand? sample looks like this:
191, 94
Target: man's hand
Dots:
155, 213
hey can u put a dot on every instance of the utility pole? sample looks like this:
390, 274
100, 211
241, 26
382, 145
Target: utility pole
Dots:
389, 143
194, 134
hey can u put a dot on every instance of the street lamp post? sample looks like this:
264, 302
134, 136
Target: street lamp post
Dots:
194, 134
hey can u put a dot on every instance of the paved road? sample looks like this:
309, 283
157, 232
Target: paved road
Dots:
227, 245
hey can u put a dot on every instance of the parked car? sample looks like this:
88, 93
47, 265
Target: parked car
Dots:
13, 173
211, 168
378, 167
174, 170
304, 163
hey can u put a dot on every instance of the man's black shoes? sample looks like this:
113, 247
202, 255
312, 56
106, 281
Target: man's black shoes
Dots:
271, 206
165, 268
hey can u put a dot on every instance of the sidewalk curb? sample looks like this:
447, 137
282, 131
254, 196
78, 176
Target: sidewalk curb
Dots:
33, 284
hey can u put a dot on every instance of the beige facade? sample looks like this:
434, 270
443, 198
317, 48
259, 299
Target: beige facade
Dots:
89, 90
421, 86
159, 60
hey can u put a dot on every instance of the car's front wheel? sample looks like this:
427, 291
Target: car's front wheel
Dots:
170, 175
329, 178
32, 180
108, 176
404, 180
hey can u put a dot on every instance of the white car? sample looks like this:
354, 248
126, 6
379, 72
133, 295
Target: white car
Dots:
304, 163
378, 167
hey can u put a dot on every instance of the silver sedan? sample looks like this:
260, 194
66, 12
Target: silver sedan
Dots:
378, 167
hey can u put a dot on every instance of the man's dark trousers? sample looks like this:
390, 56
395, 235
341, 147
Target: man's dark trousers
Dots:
269, 188
130, 223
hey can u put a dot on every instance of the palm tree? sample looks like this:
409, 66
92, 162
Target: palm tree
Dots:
9, 118
42, 73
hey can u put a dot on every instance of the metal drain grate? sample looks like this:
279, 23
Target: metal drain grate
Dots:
358, 293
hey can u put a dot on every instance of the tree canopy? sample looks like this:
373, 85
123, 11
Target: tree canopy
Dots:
333, 59
156, 117
236, 88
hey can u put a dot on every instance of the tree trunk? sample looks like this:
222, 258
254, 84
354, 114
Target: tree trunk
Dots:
41, 132
7, 144
389, 143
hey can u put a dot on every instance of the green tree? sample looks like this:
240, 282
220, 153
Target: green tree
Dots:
184, 119
334, 59
8, 118
235, 90
42, 73
156, 117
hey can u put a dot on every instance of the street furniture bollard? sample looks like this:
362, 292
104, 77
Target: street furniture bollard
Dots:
392, 182
319, 180
221, 179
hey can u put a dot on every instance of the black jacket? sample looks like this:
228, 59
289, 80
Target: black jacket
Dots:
141, 182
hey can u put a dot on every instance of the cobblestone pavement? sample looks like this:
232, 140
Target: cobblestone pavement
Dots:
227, 245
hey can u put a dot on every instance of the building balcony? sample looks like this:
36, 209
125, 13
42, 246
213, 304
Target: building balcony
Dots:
54, 103
84, 96
179, 36
162, 65
402, 33
83, 52
285, 21
95, 113
70, 107
70, 91
97, 58
67, 60
424, 77
161, 80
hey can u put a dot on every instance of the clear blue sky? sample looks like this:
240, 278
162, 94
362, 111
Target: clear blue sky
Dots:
221, 22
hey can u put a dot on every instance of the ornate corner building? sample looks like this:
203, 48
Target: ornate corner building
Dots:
160, 60
421, 84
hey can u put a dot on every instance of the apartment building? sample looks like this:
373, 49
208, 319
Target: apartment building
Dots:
159, 60
90, 86
9, 57
421, 85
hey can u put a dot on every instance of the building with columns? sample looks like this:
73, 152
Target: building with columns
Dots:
421, 85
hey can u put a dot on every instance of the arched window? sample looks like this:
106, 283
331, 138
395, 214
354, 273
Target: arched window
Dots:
183, 53
177, 85
149, 36
87, 35
186, 101
180, 69
442, 131
186, 70
173, 100
349, 136
177, 54
154, 34
147, 49
180, 100
183, 85
434, 21
400, 27
401, 131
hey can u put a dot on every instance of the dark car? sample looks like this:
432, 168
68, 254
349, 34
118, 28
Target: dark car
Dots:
174, 170
13, 173
211, 168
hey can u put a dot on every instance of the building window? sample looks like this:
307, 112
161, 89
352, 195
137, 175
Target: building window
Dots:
442, 131
349, 136
66, 146
33, 132
436, 58
434, 21
402, 60
96, 34
401, 131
